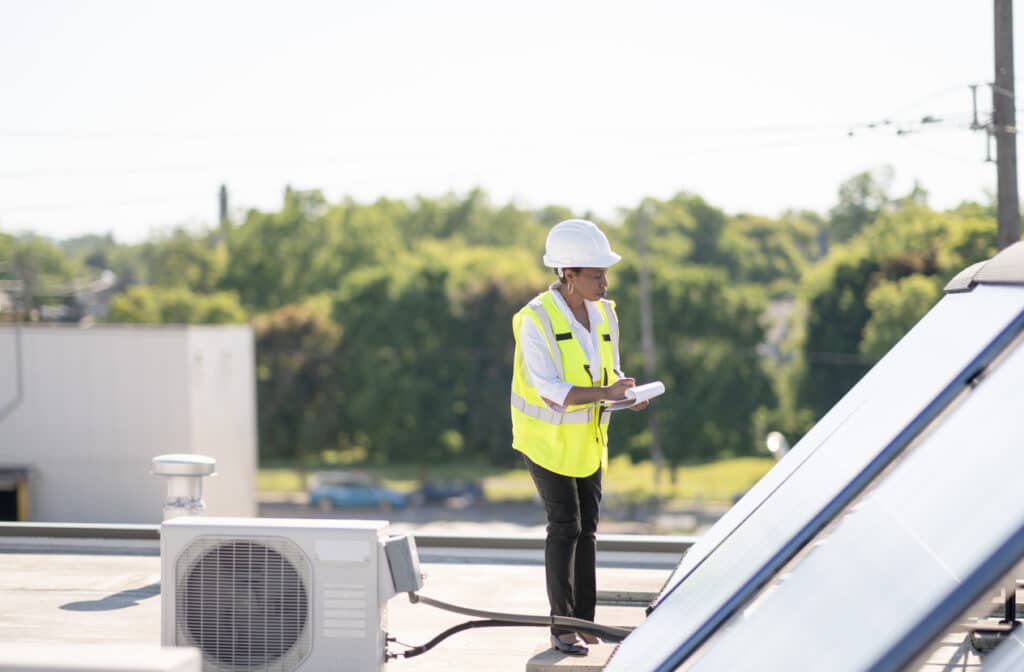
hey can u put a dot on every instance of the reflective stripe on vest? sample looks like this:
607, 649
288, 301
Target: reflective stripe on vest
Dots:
549, 333
580, 417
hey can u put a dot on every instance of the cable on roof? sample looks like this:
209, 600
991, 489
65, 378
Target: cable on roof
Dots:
491, 619
423, 648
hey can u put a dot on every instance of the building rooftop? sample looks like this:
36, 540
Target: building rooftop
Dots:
103, 591
108, 592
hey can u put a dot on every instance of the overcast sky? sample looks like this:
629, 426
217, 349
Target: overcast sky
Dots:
127, 116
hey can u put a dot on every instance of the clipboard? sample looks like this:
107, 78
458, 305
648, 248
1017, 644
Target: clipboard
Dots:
635, 395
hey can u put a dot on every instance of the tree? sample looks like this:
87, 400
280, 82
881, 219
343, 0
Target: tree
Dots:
43, 269
487, 286
161, 305
139, 305
707, 334
861, 199
6, 253
182, 260
301, 403
399, 363
770, 253
706, 326
858, 302
836, 316
895, 307
276, 259
386, 326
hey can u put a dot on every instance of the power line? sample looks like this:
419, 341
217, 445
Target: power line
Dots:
930, 97
937, 152
81, 205
106, 134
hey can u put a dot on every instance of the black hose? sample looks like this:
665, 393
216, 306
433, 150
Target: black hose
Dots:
468, 625
609, 633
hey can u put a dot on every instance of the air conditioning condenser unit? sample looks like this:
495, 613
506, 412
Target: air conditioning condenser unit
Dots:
282, 595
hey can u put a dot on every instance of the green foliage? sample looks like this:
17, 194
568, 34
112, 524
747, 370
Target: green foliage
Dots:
41, 260
278, 258
866, 294
182, 260
301, 404
92, 251
139, 305
6, 253
159, 305
384, 329
861, 199
895, 307
428, 349
770, 253
706, 325
41, 266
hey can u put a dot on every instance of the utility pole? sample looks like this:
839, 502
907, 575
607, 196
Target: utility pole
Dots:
222, 203
1004, 127
647, 335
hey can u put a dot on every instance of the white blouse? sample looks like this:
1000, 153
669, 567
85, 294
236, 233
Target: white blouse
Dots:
539, 366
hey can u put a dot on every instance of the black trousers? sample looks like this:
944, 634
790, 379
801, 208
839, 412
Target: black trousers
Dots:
570, 552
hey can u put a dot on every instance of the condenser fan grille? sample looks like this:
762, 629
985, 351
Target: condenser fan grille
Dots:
244, 603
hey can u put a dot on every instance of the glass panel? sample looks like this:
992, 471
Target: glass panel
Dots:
894, 558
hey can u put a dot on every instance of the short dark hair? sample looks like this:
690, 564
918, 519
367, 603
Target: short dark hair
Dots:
577, 270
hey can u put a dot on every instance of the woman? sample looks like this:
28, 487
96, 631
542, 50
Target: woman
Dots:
566, 369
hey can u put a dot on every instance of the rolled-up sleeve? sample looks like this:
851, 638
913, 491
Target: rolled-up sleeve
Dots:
542, 370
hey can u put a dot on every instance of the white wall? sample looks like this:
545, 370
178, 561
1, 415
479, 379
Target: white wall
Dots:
8, 369
222, 398
100, 403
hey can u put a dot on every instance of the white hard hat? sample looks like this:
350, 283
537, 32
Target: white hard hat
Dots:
578, 243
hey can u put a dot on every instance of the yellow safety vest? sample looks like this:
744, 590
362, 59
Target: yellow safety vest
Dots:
575, 442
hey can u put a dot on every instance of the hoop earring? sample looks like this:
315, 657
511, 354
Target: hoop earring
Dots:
572, 288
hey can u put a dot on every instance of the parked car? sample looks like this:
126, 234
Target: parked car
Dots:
342, 489
442, 492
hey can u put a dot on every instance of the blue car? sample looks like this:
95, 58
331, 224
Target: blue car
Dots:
344, 490
443, 492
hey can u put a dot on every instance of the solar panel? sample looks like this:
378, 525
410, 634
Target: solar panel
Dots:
872, 422
929, 539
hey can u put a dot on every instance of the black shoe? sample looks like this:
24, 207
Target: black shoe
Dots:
568, 648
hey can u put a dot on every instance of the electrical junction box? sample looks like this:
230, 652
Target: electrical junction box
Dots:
404, 562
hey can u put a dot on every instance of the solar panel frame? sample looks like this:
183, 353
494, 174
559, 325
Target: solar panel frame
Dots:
772, 481
1007, 314
895, 505
966, 593
839, 502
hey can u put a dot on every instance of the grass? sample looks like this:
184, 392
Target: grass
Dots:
719, 481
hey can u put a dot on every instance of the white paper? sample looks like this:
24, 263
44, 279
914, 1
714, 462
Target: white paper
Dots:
635, 395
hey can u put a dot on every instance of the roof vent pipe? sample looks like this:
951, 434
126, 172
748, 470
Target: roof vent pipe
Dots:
184, 473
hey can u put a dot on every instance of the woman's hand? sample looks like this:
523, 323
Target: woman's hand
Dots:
641, 406
617, 390
592, 395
